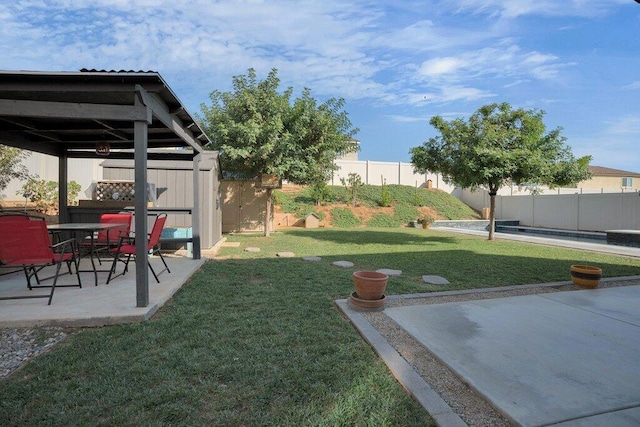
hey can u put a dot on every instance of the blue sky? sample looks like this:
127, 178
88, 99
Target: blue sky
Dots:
396, 63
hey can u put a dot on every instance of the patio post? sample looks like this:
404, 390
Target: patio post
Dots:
140, 130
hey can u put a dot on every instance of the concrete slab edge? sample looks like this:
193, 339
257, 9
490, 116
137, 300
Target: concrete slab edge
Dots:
501, 288
415, 385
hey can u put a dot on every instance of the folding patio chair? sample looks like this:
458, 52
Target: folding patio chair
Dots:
127, 248
107, 239
25, 243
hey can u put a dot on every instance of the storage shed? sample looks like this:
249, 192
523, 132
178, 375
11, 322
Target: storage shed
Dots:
174, 190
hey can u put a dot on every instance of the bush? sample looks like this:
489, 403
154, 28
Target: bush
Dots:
383, 220
344, 218
45, 194
320, 192
385, 197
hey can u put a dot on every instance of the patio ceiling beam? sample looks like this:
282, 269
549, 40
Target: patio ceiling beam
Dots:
15, 139
31, 128
124, 155
72, 110
161, 112
113, 131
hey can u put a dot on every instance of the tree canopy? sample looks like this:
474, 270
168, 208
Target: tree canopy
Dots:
498, 146
11, 166
260, 130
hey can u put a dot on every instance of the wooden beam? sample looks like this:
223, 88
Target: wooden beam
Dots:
72, 110
17, 139
161, 112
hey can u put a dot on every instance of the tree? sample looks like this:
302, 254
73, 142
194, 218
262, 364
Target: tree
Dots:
498, 146
11, 166
259, 130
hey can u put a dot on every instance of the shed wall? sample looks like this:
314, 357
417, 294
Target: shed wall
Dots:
174, 185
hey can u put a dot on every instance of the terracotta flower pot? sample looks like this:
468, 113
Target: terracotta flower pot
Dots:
370, 285
367, 303
586, 276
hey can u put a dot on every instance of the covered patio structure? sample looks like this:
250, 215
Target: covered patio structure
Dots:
99, 114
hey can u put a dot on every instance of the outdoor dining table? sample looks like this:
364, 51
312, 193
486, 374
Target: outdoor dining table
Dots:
82, 228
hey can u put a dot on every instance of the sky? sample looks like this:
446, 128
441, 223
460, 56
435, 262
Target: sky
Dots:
395, 63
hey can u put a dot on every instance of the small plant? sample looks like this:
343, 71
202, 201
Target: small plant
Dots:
385, 197
45, 194
353, 182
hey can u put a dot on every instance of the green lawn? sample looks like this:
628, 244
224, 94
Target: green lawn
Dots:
256, 340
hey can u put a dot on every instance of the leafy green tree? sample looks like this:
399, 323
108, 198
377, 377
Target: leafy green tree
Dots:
498, 146
11, 166
260, 130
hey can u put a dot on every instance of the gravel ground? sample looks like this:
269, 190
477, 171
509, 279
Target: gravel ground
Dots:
463, 400
17, 346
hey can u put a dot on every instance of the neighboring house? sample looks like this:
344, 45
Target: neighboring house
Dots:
607, 178
350, 156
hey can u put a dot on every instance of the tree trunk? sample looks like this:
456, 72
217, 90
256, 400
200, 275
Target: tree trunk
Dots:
267, 215
492, 215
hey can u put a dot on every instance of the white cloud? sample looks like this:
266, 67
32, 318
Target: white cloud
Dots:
632, 86
437, 66
516, 8
628, 125
406, 119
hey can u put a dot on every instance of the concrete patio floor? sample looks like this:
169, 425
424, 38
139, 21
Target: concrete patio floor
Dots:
92, 305
566, 359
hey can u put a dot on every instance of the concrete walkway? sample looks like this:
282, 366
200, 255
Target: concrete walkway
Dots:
564, 358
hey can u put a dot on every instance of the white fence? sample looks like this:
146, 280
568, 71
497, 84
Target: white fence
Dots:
583, 212
374, 173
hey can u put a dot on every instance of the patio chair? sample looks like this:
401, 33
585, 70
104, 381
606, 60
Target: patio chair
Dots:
107, 239
25, 244
127, 248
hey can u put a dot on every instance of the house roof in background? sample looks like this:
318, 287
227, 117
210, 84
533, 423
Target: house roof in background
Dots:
602, 171
70, 112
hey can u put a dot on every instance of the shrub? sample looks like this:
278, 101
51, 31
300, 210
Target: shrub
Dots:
45, 194
344, 218
385, 197
320, 192
354, 182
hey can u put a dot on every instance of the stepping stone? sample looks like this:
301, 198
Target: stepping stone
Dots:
343, 264
285, 254
389, 272
231, 244
252, 249
312, 258
435, 280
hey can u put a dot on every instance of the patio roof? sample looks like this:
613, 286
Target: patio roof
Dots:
98, 114
68, 113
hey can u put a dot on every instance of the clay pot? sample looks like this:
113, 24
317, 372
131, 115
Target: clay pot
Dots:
586, 276
370, 285
367, 303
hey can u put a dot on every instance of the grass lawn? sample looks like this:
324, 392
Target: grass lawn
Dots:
254, 339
